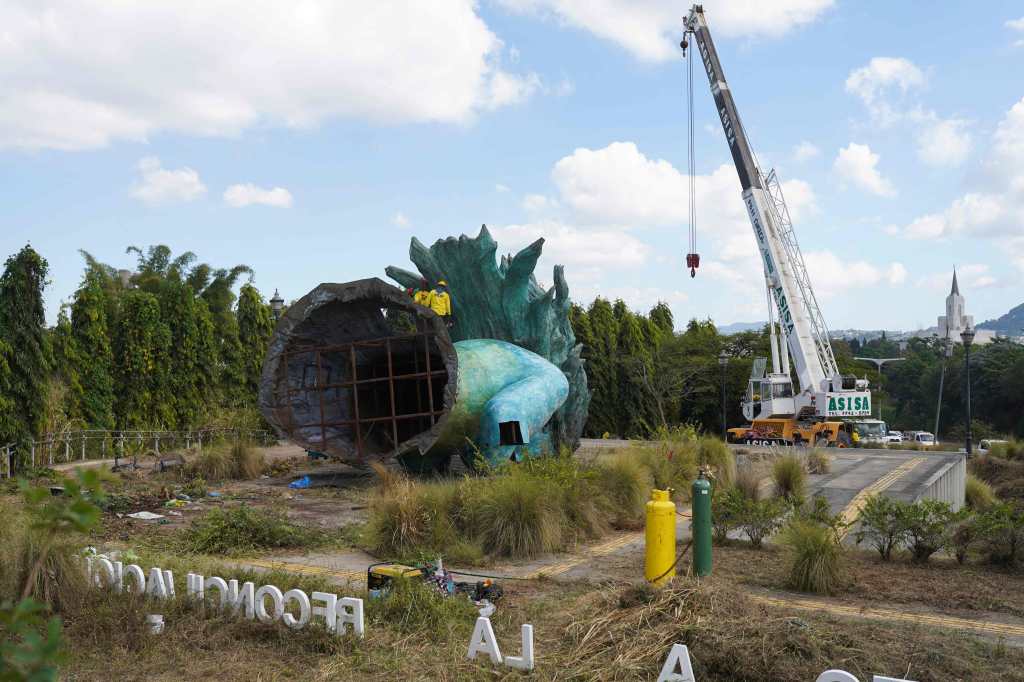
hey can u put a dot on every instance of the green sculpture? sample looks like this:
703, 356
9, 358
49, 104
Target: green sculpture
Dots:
502, 300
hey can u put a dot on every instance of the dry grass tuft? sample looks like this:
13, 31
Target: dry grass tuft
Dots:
816, 557
819, 462
748, 481
790, 478
978, 494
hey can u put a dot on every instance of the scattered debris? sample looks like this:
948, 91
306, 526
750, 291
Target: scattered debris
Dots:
215, 493
145, 516
155, 622
303, 482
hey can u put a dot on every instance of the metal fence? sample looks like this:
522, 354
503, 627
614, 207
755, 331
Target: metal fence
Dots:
85, 445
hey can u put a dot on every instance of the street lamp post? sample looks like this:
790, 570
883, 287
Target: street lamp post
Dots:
723, 362
967, 336
276, 304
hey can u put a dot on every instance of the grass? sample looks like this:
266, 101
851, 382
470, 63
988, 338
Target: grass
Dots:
790, 478
748, 481
1012, 449
239, 460
979, 494
240, 530
815, 556
818, 462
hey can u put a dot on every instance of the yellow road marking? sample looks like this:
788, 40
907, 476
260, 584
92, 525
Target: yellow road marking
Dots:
889, 614
852, 510
597, 550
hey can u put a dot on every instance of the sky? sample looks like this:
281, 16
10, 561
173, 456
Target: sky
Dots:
312, 140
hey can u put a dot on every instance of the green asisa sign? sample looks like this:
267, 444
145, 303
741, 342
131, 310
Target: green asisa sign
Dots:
849, 404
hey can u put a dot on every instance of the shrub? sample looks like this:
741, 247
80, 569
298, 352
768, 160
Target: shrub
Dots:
670, 466
243, 529
964, 534
748, 482
819, 511
882, 524
978, 494
760, 519
818, 462
519, 517
625, 483
246, 461
726, 507
816, 557
1001, 528
1010, 450
790, 478
928, 526
715, 454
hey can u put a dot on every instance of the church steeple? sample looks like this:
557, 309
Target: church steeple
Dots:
955, 289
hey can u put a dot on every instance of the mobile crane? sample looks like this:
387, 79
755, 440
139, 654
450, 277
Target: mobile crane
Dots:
778, 413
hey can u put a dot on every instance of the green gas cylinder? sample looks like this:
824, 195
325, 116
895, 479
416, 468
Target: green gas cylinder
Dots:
702, 525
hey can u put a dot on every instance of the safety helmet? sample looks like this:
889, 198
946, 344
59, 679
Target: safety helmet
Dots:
442, 283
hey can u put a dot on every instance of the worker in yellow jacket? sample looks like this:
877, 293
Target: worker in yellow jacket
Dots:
441, 301
424, 296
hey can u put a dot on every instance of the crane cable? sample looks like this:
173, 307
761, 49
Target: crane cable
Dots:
692, 259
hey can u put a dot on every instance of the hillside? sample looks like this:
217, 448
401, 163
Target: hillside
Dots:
1011, 323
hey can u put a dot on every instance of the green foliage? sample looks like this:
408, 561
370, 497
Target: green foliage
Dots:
244, 529
600, 339
790, 478
255, 327
965, 534
815, 555
412, 605
93, 387
26, 344
1012, 449
761, 518
142, 347
928, 526
882, 523
31, 645
1001, 528
978, 494
727, 505
192, 354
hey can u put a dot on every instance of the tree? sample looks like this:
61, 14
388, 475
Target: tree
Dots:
255, 327
23, 328
93, 384
602, 369
192, 354
661, 316
634, 363
141, 346
66, 362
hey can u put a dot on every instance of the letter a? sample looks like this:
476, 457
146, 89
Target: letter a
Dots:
679, 658
483, 641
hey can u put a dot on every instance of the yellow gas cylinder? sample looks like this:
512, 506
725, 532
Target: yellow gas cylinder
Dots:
660, 538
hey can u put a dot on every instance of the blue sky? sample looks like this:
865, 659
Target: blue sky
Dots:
312, 140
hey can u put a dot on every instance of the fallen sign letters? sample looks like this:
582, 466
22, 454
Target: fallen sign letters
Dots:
337, 612
677, 668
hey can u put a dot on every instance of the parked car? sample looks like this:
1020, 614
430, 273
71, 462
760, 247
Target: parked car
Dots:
924, 438
894, 437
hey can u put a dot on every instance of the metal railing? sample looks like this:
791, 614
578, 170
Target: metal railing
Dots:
91, 444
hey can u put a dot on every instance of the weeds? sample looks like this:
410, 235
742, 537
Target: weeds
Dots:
818, 462
244, 529
790, 478
218, 463
978, 495
748, 482
816, 556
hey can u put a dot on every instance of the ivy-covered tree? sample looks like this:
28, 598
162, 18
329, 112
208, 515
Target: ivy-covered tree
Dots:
94, 385
602, 369
142, 345
634, 367
255, 327
66, 363
192, 355
23, 328
661, 316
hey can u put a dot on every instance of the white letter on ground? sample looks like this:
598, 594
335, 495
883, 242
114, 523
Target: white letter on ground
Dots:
679, 658
194, 583
879, 678
220, 584
135, 571
354, 617
276, 597
524, 662
483, 641
300, 598
327, 610
836, 676
242, 600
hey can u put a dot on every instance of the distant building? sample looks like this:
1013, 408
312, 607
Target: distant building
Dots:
953, 323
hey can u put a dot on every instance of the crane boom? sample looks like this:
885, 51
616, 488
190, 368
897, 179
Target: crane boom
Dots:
788, 282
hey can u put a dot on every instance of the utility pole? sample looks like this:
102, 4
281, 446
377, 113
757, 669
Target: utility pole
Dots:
967, 336
879, 363
723, 361
947, 352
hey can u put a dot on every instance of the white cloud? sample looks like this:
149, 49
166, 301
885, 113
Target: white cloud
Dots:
804, 151
249, 194
502, 188
161, 186
831, 274
875, 81
585, 248
858, 165
400, 220
649, 29
82, 73
944, 143
538, 203
1016, 24
969, 276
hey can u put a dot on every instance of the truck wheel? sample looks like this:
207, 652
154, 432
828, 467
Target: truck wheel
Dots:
844, 440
